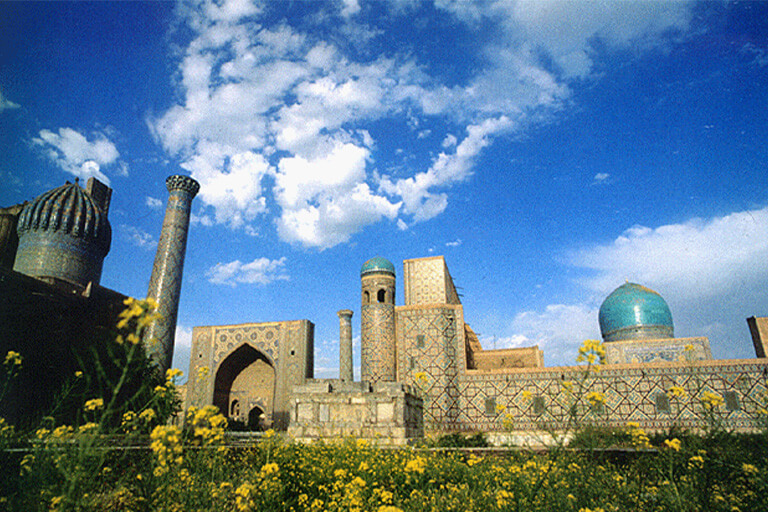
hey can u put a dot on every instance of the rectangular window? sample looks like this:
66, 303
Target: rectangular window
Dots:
732, 401
412, 363
662, 403
538, 405
490, 407
420, 341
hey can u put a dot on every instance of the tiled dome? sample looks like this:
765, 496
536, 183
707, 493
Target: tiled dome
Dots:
377, 264
633, 311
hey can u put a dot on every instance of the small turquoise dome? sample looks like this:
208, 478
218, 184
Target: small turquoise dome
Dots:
632, 312
377, 264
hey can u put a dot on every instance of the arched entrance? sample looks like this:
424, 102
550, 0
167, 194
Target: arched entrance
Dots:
256, 419
245, 383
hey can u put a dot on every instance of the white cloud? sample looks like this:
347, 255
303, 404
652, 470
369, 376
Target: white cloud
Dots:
181, 350
137, 236
75, 154
601, 178
263, 100
261, 271
558, 330
6, 104
153, 203
448, 168
455, 243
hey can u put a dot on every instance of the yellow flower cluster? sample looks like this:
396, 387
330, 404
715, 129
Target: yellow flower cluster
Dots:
591, 351
595, 398
143, 311
711, 400
639, 438
207, 425
172, 374
12, 359
416, 465
94, 404
676, 392
673, 444
166, 445
244, 497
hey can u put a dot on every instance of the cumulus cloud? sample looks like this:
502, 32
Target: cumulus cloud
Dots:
601, 178
266, 106
75, 154
6, 104
182, 348
558, 330
260, 271
153, 203
137, 237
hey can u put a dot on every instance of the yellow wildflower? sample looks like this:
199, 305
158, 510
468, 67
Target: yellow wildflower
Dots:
673, 444
147, 415
711, 400
676, 392
78, 374
749, 469
595, 398
12, 359
416, 465
94, 404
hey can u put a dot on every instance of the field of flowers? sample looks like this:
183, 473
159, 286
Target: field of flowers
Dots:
119, 452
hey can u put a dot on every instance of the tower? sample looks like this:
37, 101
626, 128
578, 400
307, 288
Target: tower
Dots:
345, 345
165, 283
377, 330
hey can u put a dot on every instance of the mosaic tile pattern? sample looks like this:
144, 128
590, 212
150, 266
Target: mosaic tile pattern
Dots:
631, 394
165, 283
377, 328
428, 341
287, 346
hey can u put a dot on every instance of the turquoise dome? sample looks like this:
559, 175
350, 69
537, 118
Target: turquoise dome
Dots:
633, 311
377, 264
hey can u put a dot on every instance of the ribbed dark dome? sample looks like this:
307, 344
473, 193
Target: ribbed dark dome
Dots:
69, 210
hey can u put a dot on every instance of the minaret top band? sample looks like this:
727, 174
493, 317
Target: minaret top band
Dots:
180, 182
345, 313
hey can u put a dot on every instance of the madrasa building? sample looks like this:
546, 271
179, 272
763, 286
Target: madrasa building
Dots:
422, 365
423, 368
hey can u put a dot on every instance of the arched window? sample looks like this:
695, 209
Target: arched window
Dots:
382, 296
234, 410
366, 297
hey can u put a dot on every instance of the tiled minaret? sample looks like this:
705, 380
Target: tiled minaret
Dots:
377, 321
345, 345
165, 283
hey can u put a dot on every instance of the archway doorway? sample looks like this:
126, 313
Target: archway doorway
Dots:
257, 419
245, 383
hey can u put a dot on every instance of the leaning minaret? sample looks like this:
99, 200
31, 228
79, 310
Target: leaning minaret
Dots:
377, 329
165, 283
345, 345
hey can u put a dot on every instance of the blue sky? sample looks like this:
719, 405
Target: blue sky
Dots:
549, 150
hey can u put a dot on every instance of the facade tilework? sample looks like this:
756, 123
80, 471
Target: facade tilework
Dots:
427, 281
286, 346
377, 347
630, 395
429, 359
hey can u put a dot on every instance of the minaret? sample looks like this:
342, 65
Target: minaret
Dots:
345, 345
165, 283
377, 331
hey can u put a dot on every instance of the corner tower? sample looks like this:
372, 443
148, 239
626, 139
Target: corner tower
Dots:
377, 329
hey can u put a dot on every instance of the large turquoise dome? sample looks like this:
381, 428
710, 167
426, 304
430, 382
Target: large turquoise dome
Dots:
632, 312
377, 264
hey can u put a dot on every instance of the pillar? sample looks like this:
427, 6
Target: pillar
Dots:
345, 346
165, 283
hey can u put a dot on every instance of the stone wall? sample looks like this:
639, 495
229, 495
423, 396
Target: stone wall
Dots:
385, 413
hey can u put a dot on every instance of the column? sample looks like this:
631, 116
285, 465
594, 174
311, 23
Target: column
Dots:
165, 283
345, 345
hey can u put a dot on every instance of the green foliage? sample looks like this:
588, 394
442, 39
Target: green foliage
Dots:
459, 440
